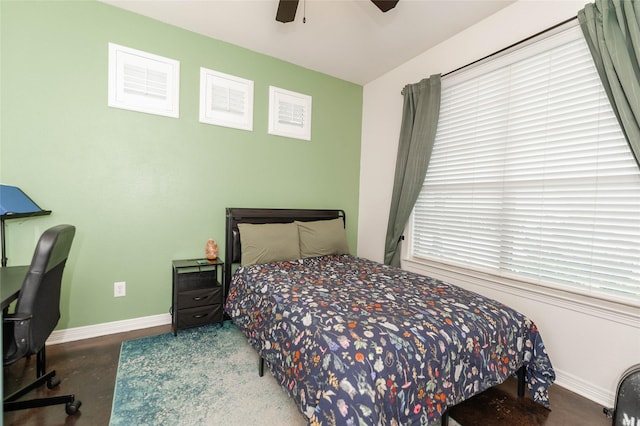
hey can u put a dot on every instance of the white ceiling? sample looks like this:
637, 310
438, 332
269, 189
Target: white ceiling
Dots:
349, 39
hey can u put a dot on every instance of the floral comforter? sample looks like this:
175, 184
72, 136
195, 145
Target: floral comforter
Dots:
357, 342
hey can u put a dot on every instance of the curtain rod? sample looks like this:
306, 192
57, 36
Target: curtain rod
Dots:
511, 46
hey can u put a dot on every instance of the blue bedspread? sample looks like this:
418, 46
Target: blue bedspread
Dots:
356, 342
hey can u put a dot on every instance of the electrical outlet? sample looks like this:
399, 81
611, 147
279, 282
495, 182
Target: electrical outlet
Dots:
119, 289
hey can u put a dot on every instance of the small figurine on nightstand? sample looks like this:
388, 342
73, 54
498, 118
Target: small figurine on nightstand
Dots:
211, 250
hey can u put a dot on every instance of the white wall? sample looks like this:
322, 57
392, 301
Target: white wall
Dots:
590, 343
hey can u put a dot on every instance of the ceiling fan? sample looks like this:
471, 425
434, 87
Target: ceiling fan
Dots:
287, 8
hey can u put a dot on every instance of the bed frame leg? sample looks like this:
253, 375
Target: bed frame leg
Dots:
521, 379
261, 367
444, 420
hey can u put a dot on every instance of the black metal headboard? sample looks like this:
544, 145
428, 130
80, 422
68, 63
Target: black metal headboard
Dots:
260, 216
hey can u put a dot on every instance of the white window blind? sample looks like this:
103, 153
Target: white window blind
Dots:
291, 113
531, 177
143, 81
227, 99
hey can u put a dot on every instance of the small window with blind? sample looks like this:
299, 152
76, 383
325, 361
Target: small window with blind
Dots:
226, 100
531, 177
143, 82
289, 114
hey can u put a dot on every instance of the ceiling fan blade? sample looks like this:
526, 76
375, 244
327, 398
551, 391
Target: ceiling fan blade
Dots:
385, 5
286, 10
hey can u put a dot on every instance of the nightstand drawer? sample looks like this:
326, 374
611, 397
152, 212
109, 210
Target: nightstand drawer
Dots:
193, 278
199, 316
201, 297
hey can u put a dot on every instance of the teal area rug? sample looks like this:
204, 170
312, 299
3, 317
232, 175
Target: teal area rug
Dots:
203, 376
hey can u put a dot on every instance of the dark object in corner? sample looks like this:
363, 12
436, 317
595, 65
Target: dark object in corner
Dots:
627, 409
286, 10
385, 5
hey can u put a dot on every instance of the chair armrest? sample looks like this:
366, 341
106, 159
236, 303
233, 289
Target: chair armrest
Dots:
16, 316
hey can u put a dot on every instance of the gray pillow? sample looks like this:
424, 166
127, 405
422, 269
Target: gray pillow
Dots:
322, 237
271, 242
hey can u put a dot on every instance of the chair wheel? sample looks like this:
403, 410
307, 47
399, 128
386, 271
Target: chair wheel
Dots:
72, 407
53, 382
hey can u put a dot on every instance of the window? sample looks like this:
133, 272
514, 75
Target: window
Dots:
141, 81
531, 177
289, 114
226, 100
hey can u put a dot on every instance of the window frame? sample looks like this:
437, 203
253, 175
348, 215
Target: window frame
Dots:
242, 120
121, 57
279, 97
505, 281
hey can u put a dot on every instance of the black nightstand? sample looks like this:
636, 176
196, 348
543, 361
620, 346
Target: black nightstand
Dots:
197, 293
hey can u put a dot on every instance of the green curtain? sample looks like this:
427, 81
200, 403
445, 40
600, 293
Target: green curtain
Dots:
417, 134
612, 31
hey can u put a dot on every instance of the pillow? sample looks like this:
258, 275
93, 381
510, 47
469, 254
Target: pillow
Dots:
322, 237
271, 242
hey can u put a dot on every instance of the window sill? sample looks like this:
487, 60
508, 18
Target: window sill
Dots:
624, 313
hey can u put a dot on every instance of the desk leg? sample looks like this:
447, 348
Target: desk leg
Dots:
4, 247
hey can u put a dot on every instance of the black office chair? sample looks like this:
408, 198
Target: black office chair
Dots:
35, 316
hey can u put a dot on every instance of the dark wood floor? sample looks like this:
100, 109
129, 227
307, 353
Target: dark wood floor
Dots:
88, 369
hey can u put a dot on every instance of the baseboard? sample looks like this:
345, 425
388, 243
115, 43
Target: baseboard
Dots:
97, 330
576, 385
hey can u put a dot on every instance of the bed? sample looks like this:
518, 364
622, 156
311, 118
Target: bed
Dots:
353, 341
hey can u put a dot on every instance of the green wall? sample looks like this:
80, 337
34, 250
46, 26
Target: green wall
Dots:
144, 189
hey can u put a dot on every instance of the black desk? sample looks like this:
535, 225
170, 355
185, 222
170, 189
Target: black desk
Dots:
11, 278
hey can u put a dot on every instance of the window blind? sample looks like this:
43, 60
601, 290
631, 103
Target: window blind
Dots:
531, 177
291, 113
227, 99
143, 81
